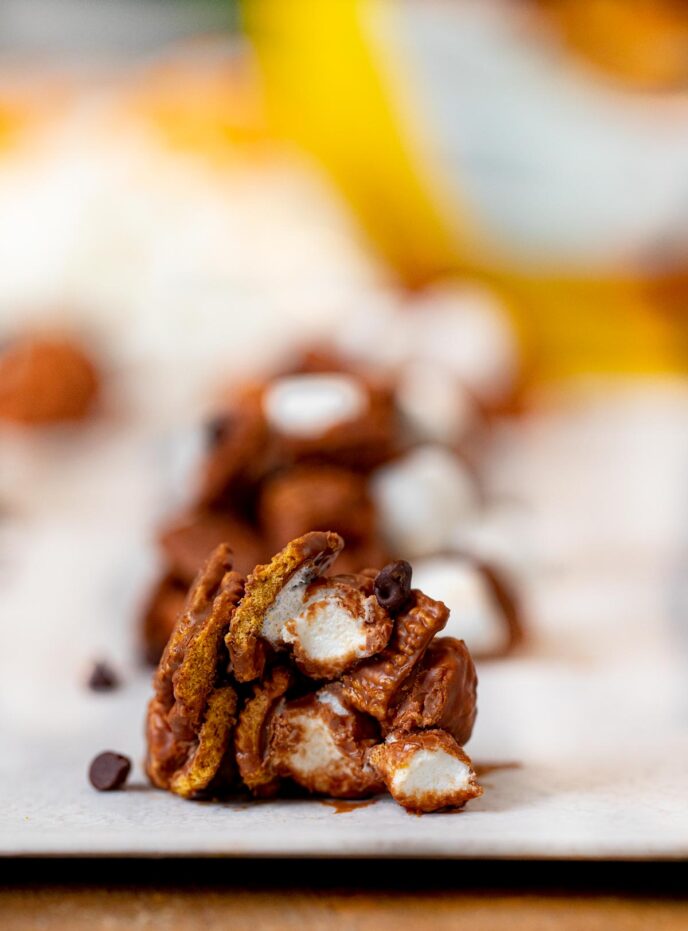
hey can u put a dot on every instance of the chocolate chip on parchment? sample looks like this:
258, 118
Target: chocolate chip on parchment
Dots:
109, 771
393, 586
103, 678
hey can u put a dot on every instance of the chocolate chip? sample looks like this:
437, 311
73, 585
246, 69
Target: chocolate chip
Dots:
217, 429
103, 678
109, 771
393, 586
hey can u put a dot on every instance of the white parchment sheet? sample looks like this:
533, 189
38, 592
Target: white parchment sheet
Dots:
583, 738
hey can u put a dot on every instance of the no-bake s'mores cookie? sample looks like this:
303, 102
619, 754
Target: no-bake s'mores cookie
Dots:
334, 683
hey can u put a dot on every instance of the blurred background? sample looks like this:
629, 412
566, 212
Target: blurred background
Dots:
192, 191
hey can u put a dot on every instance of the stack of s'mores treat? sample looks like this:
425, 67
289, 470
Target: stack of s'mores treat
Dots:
302, 675
335, 445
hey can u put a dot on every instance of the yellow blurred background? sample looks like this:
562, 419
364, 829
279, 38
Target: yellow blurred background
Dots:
539, 147
380, 91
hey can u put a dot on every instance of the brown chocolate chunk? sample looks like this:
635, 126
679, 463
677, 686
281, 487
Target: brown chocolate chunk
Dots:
103, 678
109, 771
393, 586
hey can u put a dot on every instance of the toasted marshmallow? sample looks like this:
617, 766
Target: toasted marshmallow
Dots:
309, 405
421, 497
426, 771
329, 624
321, 744
476, 615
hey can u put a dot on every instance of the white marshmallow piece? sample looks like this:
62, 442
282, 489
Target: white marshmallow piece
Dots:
320, 624
421, 497
475, 615
316, 751
309, 405
431, 772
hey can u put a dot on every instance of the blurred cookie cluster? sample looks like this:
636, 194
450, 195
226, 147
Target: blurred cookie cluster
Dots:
300, 676
376, 437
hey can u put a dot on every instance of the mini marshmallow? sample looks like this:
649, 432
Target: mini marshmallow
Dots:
330, 624
426, 771
421, 497
331, 697
316, 750
476, 615
376, 332
309, 405
431, 772
321, 744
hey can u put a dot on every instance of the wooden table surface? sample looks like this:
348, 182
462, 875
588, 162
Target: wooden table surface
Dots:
263, 895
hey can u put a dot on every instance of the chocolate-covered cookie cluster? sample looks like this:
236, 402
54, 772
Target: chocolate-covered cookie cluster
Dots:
323, 445
337, 683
